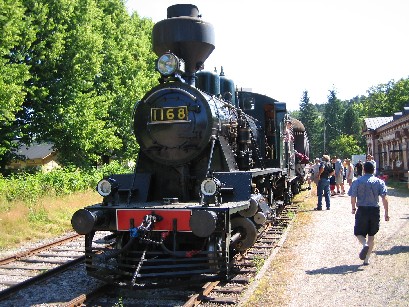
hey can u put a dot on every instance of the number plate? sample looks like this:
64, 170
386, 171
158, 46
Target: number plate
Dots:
169, 114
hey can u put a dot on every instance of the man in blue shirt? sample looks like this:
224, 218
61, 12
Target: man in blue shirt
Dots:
365, 192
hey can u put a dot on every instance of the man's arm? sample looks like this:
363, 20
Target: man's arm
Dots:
353, 204
321, 169
386, 207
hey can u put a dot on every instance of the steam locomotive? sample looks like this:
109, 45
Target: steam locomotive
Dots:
215, 166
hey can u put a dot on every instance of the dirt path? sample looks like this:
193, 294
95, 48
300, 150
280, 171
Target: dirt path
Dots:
319, 264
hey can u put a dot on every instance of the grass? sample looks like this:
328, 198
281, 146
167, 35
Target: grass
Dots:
40, 205
48, 217
400, 186
258, 263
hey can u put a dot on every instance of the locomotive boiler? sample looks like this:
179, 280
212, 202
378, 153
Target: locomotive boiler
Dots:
215, 166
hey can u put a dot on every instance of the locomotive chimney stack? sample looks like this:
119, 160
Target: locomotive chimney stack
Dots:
186, 35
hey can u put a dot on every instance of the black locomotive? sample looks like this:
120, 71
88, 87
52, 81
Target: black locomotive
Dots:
215, 166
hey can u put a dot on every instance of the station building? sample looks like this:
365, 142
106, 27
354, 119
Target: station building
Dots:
36, 156
387, 140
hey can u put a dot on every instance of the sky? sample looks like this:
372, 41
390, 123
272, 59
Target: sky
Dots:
281, 48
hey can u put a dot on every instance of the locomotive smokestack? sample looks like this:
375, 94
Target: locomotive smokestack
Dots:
179, 10
184, 34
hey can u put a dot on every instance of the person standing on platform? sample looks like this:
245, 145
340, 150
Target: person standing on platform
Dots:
359, 166
349, 175
316, 171
365, 192
369, 158
325, 172
339, 175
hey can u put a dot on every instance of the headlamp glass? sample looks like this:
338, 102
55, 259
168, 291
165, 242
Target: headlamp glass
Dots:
168, 64
104, 187
208, 187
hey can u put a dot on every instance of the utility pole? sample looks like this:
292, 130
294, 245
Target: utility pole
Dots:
325, 128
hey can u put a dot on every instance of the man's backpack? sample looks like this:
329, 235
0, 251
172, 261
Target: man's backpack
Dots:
328, 169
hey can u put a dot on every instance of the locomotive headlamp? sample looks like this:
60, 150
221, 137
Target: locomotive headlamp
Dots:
210, 186
105, 186
169, 64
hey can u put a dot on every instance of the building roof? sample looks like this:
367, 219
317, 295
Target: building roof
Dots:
376, 122
35, 150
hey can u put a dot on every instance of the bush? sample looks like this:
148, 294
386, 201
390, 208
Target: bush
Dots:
28, 188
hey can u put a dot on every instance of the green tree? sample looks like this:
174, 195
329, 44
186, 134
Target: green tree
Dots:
346, 146
15, 36
63, 106
88, 67
386, 99
333, 115
352, 124
129, 72
310, 117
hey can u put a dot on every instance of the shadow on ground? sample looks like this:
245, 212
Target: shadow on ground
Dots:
339, 269
394, 250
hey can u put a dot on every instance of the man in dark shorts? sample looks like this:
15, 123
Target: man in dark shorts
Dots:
365, 192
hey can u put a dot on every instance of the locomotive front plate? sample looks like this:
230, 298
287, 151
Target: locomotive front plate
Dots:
167, 223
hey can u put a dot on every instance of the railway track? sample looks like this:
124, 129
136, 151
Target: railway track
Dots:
23, 269
196, 292
248, 268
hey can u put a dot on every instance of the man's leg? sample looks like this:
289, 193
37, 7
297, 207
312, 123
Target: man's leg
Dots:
361, 239
327, 194
338, 181
374, 219
371, 244
365, 248
319, 195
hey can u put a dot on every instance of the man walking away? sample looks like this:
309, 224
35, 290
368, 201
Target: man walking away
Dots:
365, 192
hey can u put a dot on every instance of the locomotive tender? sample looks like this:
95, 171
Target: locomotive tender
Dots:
215, 166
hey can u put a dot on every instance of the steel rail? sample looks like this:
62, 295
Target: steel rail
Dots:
36, 250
